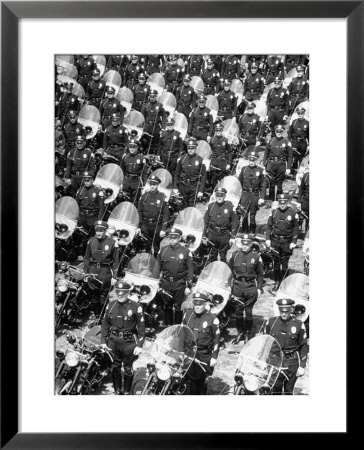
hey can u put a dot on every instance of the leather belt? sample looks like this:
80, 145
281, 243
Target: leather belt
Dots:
282, 238
86, 212
251, 190
77, 173
132, 176
277, 108
153, 220
176, 278
200, 128
289, 354
126, 335
188, 180
221, 229
98, 265
247, 279
276, 158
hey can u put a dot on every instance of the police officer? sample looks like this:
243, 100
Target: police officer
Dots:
205, 327
227, 102
247, 269
250, 126
200, 125
95, 89
79, 160
277, 161
123, 331
274, 68
292, 338
251, 179
85, 67
210, 77
72, 129
90, 200
154, 115
190, 176
153, 64
170, 146
173, 75
66, 102
101, 259
254, 84
153, 213
176, 267
282, 233
109, 106
194, 65
115, 138
118, 63
132, 71
141, 92
277, 104
220, 224
133, 164
298, 89
231, 68
298, 134
221, 156
185, 97
303, 197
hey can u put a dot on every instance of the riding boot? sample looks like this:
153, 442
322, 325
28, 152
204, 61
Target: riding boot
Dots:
248, 327
245, 227
252, 228
128, 381
97, 309
240, 329
168, 316
116, 380
178, 315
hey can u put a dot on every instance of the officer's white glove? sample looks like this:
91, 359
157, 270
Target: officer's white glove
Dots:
137, 232
288, 171
68, 181
300, 372
299, 206
292, 245
187, 291
259, 292
199, 195
227, 166
231, 241
104, 346
213, 362
267, 242
137, 351
260, 201
285, 117
162, 233
113, 281
208, 139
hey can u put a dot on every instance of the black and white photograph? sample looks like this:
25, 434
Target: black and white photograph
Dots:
182, 224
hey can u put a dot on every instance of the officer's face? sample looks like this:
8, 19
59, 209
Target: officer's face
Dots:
169, 127
283, 205
191, 150
133, 149
186, 82
199, 306
88, 182
80, 144
226, 87
100, 233
285, 313
121, 296
218, 133
174, 240
201, 103
300, 74
254, 70
141, 80
153, 187
250, 111
96, 76
279, 134
246, 247
301, 115
210, 65
277, 84
220, 198
152, 98
252, 162
73, 119
115, 122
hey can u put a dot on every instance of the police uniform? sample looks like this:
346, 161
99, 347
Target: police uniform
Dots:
210, 78
85, 67
303, 196
131, 74
277, 105
231, 68
101, 259
227, 104
118, 63
251, 180
254, 86
200, 124
134, 170
194, 65
186, 99
292, 338
205, 328
277, 159
91, 203
220, 225
115, 140
71, 131
153, 214
154, 115
177, 274
173, 76
123, 329
274, 68
298, 91
141, 93
220, 158
67, 102
189, 178
152, 64
108, 107
250, 126
95, 91
170, 147
78, 162
247, 269
298, 134
282, 230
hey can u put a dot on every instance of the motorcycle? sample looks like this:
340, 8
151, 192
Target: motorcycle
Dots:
258, 367
83, 366
173, 352
67, 212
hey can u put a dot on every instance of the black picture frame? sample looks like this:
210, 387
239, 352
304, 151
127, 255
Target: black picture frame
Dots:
11, 12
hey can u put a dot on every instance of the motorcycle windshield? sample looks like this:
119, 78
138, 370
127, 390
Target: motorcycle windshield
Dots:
165, 185
144, 264
305, 105
259, 362
231, 131
233, 188
168, 101
213, 104
66, 217
126, 97
197, 84
112, 78
90, 117
180, 124
238, 88
100, 61
68, 75
295, 287
134, 121
204, 150
216, 279
260, 108
173, 352
157, 82
190, 222
60, 182
64, 60
110, 177
125, 218
78, 91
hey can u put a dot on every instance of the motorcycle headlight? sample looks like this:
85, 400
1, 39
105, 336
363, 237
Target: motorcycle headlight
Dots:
164, 373
72, 359
238, 378
62, 285
251, 383
151, 367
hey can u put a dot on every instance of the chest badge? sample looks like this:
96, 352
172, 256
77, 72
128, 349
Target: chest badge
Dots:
158, 202
204, 325
252, 261
257, 80
130, 312
282, 94
180, 256
293, 330
257, 174
174, 138
100, 85
85, 156
196, 163
94, 195
138, 161
289, 218
114, 105
107, 247
205, 114
225, 211
305, 126
283, 145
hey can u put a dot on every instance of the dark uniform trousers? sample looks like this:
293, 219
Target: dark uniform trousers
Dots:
197, 375
280, 261
276, 171
188, 190
172, 306
104, 275
247, 291
132, 186
221, 246
169, 161
287, 379
123, 355
152, 230
249, 202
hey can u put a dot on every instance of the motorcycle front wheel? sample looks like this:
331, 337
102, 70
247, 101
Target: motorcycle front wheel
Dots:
61, 386
138, 387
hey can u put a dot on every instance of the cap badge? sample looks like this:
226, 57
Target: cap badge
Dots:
284, 302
